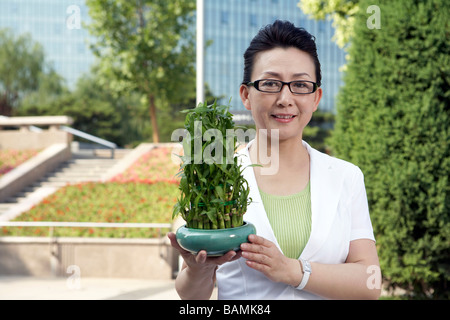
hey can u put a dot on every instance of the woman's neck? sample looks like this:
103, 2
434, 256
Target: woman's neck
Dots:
285, 165
287, 154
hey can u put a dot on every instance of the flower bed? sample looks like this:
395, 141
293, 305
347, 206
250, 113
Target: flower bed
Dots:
146, 192
10, 159
102, 202
154, 166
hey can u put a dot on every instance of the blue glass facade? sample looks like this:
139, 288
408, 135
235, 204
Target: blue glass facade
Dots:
229, 25
58, 26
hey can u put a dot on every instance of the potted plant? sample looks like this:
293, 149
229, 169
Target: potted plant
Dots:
213, 192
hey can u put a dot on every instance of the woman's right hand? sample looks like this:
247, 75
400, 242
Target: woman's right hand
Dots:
198, 275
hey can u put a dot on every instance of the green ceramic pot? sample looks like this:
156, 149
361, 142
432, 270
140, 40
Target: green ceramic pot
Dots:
216, 242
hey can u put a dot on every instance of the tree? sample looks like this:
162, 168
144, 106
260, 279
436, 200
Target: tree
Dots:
22, 65
145, 46
93, 107
393, 121
342, 12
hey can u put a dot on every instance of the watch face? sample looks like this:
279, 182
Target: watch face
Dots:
307, 267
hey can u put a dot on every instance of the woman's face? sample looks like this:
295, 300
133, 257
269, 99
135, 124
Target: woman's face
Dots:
288, 112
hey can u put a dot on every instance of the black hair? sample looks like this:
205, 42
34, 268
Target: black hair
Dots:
281, 34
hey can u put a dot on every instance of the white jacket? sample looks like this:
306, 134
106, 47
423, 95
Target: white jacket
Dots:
340, 214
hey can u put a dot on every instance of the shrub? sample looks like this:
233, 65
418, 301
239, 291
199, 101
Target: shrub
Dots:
393, 121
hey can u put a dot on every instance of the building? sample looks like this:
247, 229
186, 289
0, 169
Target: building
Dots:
229, 26
58, 26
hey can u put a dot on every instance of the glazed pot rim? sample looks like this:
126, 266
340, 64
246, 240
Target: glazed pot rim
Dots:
216, 242
224, 229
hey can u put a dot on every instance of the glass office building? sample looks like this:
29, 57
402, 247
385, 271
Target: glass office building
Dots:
58, 26
229, 26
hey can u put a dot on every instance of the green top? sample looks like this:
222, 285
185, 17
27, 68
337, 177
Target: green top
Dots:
290, 218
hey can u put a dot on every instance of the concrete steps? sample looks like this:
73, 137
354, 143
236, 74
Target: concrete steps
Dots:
85, 166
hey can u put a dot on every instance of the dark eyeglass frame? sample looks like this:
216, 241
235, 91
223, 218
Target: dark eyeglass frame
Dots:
256, 85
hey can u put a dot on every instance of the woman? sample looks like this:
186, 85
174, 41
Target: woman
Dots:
314, 235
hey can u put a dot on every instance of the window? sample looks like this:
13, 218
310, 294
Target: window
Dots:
224, 17
253, 20
80, 48
321, 26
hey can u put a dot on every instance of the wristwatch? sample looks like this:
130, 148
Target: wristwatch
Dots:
306, 267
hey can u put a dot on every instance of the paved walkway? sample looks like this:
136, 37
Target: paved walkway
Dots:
31, 288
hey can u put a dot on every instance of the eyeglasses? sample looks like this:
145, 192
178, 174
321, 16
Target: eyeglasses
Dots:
275, 86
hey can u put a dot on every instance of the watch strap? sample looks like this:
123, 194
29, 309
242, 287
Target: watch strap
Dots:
306, 267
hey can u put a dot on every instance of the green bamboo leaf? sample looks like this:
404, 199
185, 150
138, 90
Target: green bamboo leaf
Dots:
176, 210
220, 192
212, 215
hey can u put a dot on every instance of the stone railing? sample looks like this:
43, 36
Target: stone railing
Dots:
28, 133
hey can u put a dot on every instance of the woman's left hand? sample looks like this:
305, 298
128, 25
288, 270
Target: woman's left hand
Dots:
264, 256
